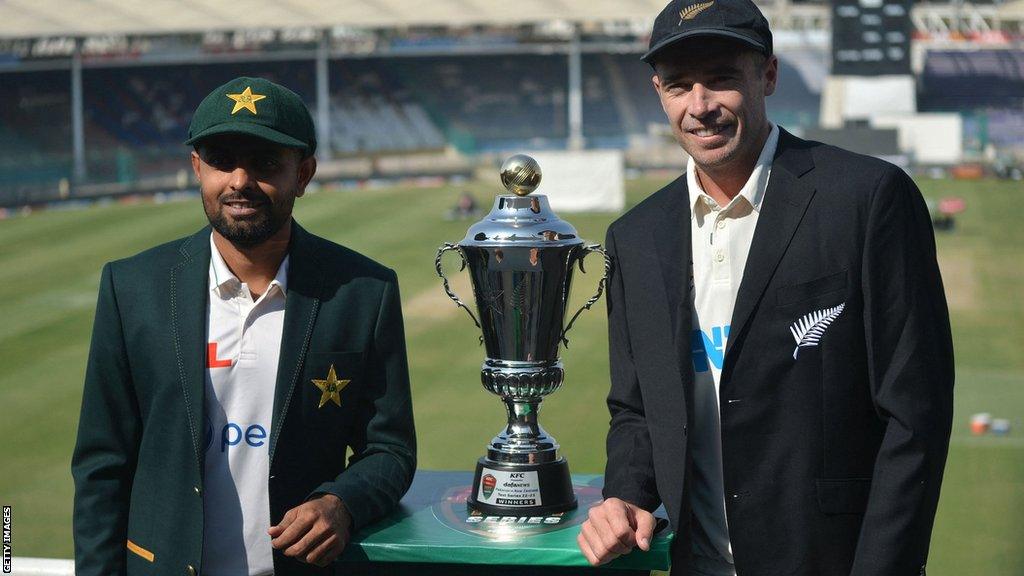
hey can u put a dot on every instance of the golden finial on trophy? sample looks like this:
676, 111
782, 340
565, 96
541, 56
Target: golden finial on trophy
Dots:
520, 174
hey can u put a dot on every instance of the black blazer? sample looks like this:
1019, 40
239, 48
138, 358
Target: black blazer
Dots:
139, 459
832, 455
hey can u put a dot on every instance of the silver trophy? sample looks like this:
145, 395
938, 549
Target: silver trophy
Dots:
521, 258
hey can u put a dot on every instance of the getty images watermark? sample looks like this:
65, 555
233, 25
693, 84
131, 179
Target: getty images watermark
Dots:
7, 539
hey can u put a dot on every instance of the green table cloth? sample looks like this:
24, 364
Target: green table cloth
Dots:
433, 528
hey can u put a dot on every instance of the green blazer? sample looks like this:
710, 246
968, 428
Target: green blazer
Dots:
138, 462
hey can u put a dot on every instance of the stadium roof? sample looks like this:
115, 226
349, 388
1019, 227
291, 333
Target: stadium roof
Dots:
39, 18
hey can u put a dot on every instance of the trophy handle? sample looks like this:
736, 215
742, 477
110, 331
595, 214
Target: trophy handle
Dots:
444, 279
600, 286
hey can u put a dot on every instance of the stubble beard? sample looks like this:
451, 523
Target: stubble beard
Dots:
741, 147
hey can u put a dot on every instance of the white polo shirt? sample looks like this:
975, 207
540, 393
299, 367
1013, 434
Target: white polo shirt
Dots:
243, 346
720, 242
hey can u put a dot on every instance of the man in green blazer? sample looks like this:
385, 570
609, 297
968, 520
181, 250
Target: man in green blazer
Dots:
230, 371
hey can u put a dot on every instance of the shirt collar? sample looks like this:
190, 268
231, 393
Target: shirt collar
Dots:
753, 190
222, 276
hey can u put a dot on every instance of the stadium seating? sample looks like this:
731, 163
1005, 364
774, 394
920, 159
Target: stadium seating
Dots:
152, 106
971, 80
136, 116
370, 113
985, 86
35, 127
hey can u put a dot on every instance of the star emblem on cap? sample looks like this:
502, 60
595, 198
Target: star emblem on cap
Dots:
331, 388
246, 100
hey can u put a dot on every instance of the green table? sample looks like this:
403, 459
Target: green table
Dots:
433, 532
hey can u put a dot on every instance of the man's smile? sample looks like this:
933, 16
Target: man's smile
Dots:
710, 135
242, 207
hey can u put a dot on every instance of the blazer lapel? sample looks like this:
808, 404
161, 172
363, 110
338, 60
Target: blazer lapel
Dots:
305, 282
782, 209
671, 236
189, 292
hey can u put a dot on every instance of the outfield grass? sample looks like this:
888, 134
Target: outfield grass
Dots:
49, 273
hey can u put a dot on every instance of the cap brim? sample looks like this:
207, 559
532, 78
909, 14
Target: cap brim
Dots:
671, 40
249, 129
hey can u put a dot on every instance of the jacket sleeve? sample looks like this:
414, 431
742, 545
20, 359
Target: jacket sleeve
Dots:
629, 472
109, 428
384, 457
910, 364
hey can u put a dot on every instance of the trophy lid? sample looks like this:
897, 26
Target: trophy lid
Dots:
519, 218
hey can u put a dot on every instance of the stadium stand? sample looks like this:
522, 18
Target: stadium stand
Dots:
427, 94
967, 80
488, 102
35, 127
151, 106
372, 113
136, 116
986, 86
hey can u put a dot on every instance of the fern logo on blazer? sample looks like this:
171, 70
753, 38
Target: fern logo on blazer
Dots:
808, 330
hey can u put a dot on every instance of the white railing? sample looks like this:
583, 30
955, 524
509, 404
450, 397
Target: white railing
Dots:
21, 566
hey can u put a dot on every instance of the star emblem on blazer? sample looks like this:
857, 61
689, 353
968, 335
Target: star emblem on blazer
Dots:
330, 388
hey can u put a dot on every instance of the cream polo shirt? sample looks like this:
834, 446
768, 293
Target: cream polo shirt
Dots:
720, 241
243, 346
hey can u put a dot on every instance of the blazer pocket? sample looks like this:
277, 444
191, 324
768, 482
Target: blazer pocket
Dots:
843, 495
140, 551
334, 382
794, 293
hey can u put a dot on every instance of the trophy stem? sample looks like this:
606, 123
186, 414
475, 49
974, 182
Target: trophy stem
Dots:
522, 388
523, 441
522, 419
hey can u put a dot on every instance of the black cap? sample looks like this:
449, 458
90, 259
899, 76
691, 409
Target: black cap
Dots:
740, 20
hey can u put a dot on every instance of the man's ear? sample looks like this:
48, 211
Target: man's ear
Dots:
307, 168
771, 75
656, 82
196, 161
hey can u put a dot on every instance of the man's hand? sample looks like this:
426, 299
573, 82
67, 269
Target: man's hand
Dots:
613, 528
315, 532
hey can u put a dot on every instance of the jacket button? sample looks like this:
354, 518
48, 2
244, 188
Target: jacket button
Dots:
191, 570
199, 491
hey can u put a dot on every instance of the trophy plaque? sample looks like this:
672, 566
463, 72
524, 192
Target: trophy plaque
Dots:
521, 258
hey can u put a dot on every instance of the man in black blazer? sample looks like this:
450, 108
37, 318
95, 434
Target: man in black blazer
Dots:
231, 370
804, 432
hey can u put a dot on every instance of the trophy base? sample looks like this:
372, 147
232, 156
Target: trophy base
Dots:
522, 489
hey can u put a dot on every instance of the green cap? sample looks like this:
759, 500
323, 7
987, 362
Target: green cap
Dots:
256, 107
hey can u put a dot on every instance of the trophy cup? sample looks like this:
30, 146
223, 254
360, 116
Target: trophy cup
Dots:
521, 258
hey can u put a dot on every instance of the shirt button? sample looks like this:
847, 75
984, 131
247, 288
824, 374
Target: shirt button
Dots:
720, 256
191, 570
198, 490
721, 224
